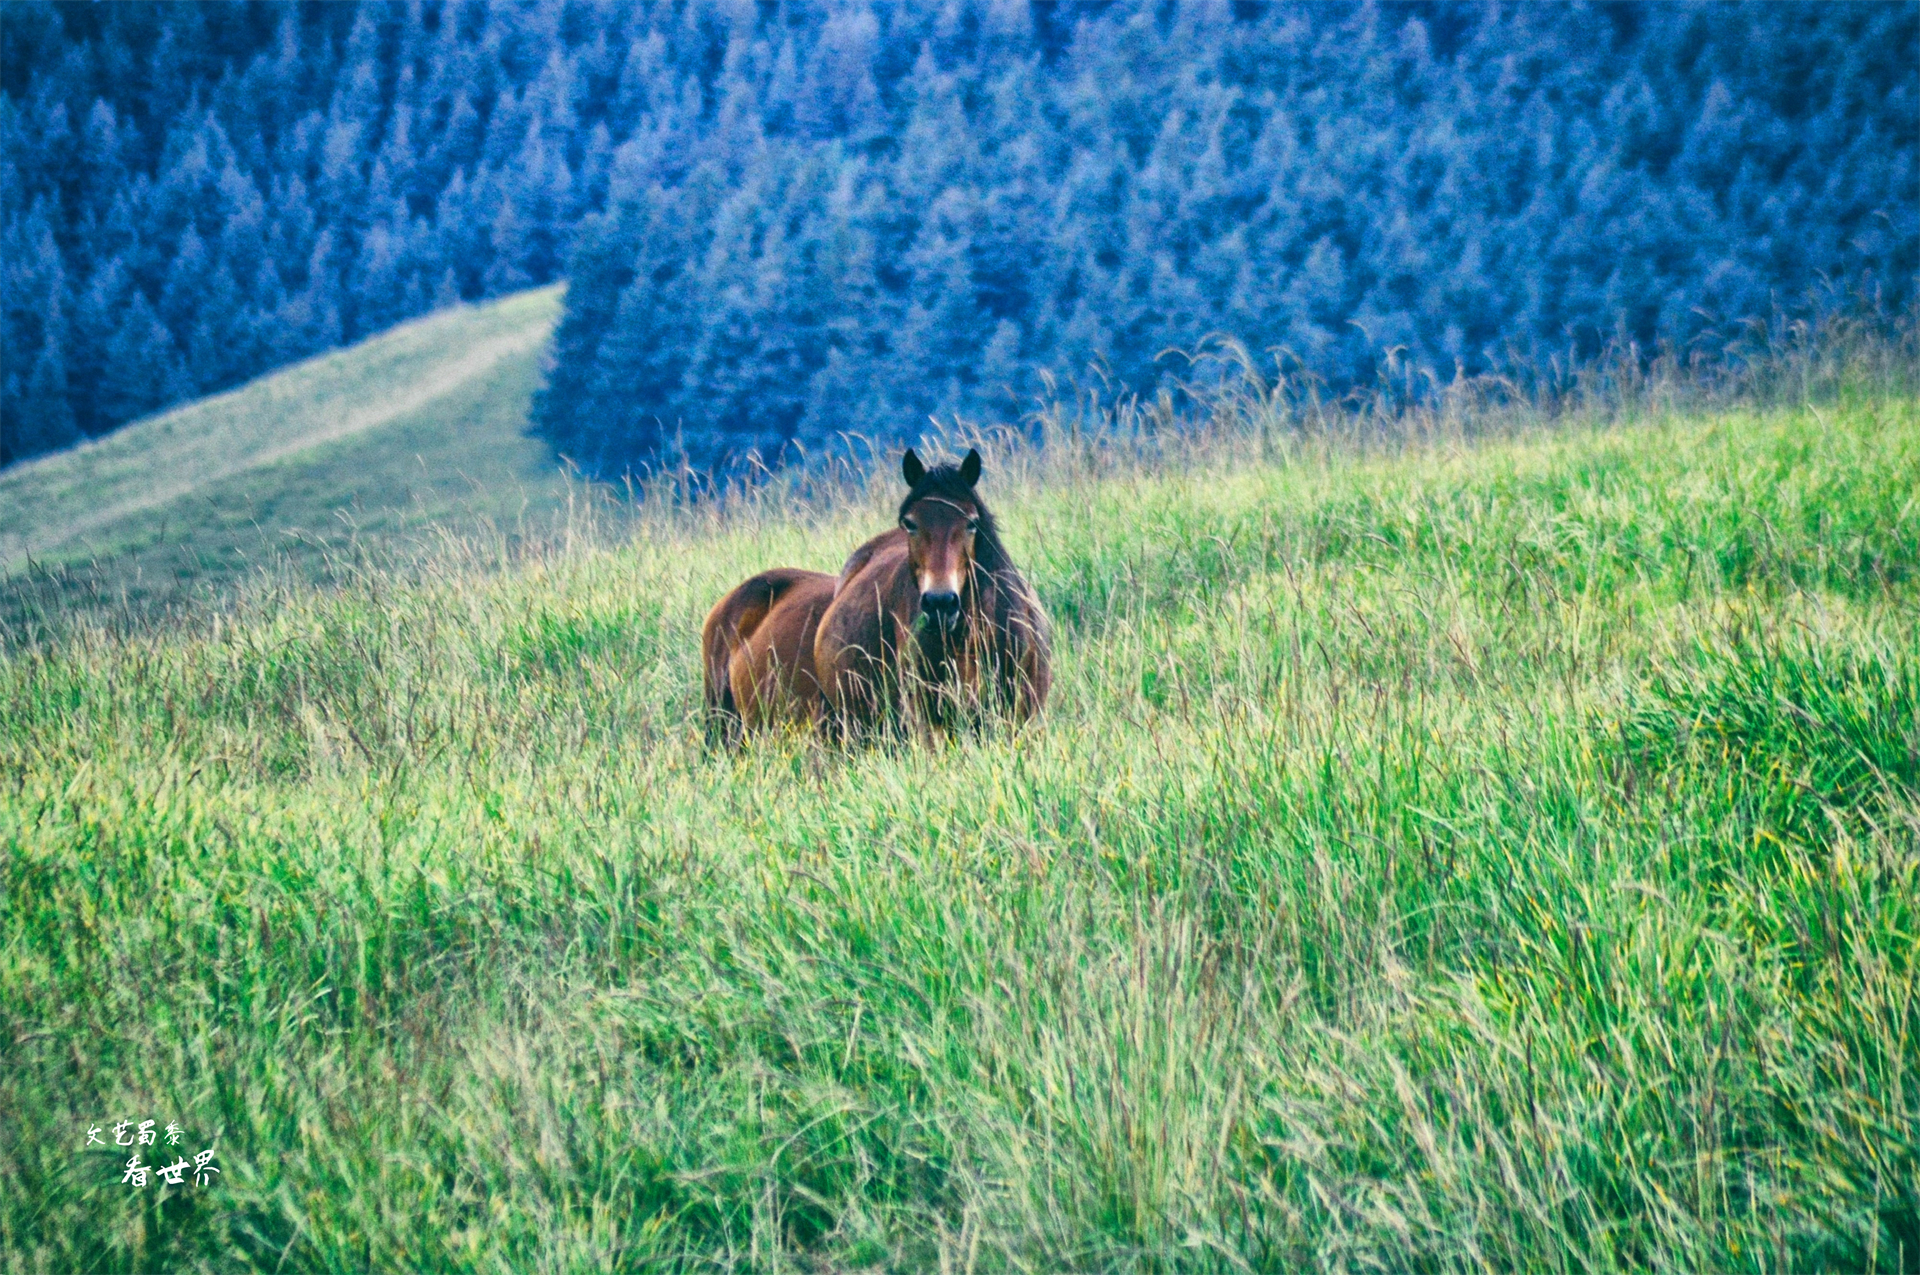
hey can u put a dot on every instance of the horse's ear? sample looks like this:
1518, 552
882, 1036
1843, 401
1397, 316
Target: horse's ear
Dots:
911, 469
970, 467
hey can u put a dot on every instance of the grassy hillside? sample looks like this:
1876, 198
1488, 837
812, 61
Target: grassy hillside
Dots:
424, 425
1476, 857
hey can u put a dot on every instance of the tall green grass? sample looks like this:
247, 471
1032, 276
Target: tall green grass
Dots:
1495, 854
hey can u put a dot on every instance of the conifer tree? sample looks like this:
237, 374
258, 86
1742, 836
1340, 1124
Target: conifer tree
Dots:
143, 370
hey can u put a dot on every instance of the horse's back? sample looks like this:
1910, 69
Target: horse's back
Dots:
892, 539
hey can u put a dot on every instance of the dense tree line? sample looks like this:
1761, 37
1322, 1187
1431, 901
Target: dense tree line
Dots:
785, 221
196, 193
944, 211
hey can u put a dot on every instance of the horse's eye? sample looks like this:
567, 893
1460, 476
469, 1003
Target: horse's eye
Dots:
973, 525
910, 524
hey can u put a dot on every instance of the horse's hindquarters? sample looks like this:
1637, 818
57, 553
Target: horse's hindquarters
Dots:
774, 681
757, 648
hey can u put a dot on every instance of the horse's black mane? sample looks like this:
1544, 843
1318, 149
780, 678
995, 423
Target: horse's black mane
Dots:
945, 482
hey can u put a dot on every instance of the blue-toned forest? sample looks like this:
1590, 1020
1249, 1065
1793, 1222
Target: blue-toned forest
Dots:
781, 222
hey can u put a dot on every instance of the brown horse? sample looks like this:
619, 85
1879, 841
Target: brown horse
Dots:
931, 619
757, 653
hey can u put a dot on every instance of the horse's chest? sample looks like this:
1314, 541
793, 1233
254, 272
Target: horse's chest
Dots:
939, 657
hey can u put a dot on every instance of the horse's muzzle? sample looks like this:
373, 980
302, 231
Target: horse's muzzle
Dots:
942, 608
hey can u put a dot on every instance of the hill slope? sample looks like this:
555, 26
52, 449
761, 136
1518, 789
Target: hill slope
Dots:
422, 422
1480, 858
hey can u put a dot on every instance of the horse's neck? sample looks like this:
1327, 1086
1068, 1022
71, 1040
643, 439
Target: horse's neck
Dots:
857, 561
999, 593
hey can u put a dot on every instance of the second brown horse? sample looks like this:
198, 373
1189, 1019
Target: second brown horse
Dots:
927, 624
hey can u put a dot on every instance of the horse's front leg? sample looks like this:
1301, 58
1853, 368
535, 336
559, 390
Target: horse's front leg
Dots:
919, 713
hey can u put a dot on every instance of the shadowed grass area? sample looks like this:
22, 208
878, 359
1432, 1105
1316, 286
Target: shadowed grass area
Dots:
365, 450
1457, 856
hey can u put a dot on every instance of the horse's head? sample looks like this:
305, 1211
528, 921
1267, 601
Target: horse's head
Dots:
947, 529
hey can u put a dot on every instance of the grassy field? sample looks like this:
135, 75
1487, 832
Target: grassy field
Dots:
1461, 855
419, 428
